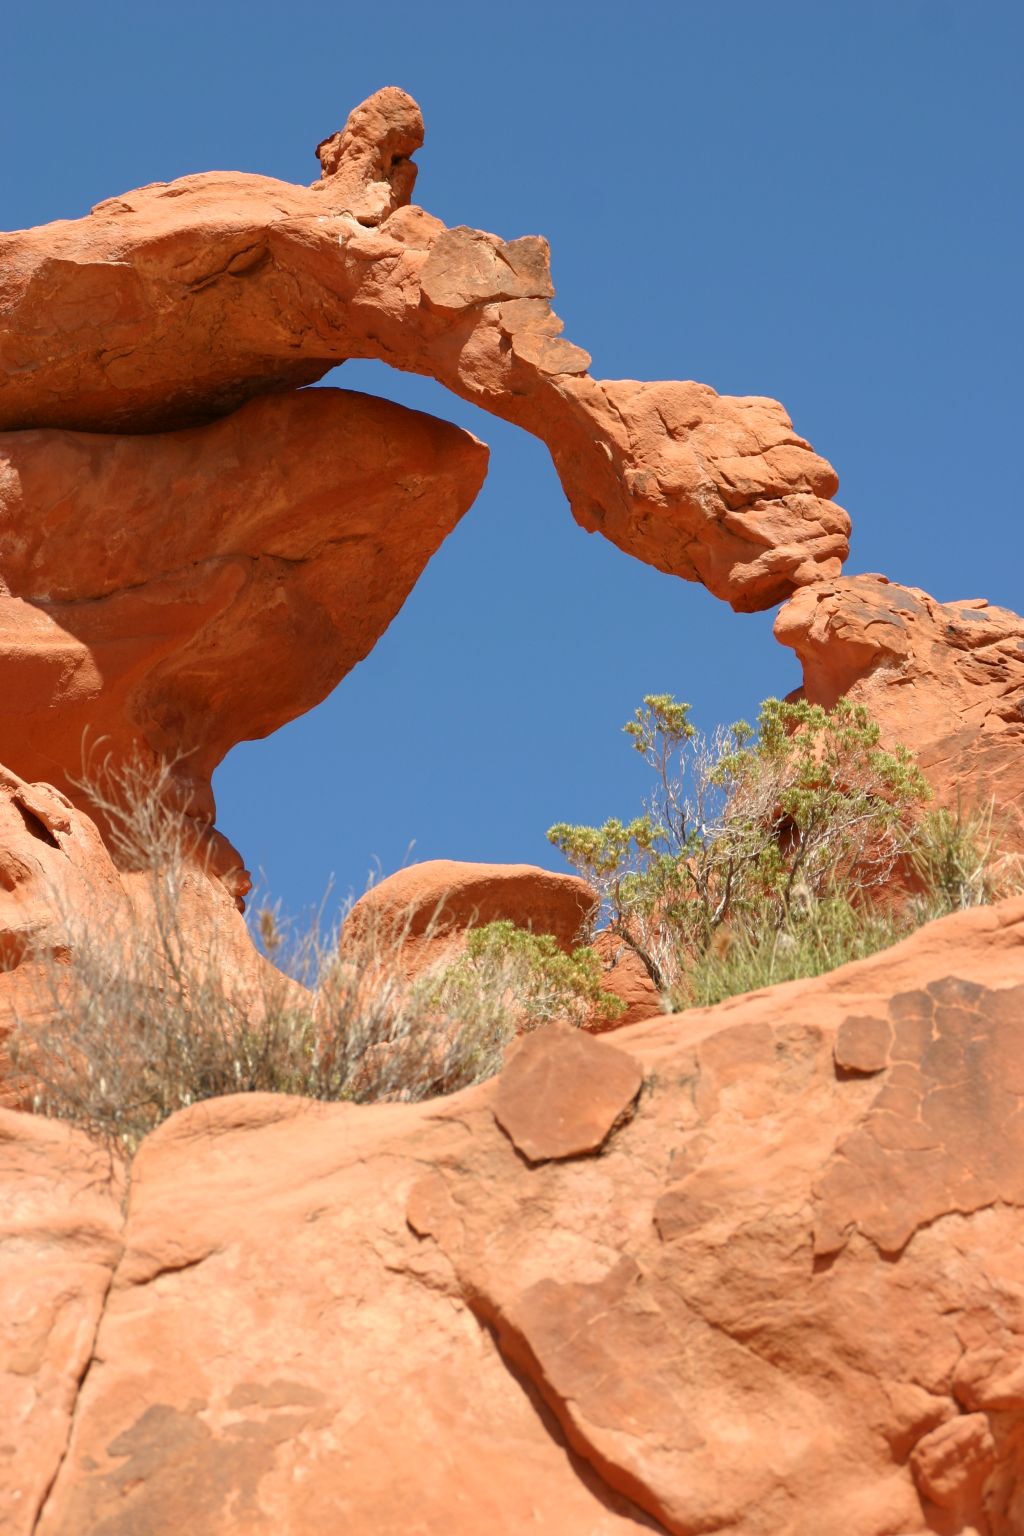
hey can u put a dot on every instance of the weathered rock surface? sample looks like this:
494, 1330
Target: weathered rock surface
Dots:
542, 1121
58, 878
628, 978
428, 907
391, 1320
946, 679
178, 302
60, 1242
180, 592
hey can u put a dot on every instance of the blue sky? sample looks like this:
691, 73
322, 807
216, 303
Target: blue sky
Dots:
816, 201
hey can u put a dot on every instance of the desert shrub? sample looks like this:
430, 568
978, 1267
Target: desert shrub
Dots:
761, 850
507, 967
148, 1014
958, 861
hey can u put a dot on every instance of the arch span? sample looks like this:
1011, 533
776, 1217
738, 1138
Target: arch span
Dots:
174, 304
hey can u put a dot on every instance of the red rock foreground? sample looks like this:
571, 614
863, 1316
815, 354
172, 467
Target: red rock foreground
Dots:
178, 302
753, 1270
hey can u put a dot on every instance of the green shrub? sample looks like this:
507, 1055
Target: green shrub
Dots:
826, 934
527, 974
760, 850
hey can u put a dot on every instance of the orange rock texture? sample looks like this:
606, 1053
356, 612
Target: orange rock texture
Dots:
55, 871
178, 302
946, 679
179, 592
753, 1269
430, 907
421, 916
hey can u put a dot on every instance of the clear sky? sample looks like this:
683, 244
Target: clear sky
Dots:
819, 200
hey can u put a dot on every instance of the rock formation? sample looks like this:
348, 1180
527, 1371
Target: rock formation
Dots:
56, 874
180, 592
430, 906
946, 679
753, 1269
176, 303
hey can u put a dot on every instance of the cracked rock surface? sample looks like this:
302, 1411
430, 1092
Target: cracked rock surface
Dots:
387, 1319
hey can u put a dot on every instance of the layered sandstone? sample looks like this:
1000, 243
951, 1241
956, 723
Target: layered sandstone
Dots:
178, 302
945, 679
753, 1269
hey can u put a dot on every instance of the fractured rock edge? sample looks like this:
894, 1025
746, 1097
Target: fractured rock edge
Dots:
945, 680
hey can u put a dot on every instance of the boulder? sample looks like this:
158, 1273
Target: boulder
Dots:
779, 1289
170, 595
106, 326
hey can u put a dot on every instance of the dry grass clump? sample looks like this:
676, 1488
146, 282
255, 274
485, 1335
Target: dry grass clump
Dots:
955, 863
151, 1014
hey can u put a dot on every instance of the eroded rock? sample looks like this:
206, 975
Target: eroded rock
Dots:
178, 302
60, 885
420, 916
945, 679
177, 593
60, 1241
590, 1344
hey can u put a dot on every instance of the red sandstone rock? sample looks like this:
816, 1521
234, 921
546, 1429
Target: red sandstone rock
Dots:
946, 679
106, 325
627, 977
181, 592
564, 1093
52, 862
429, 906
60, 1241
384, 1319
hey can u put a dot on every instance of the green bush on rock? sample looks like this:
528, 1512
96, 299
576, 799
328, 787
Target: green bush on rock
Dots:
763, 852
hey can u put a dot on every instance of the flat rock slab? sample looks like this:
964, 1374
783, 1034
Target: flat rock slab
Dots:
564, 1093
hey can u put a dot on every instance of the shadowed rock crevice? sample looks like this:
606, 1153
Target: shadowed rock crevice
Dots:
513, 1352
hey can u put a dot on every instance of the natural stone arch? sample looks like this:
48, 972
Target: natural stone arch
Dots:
178, 302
